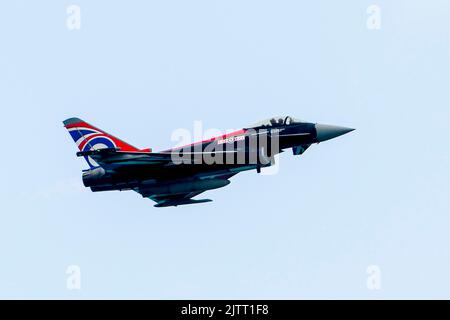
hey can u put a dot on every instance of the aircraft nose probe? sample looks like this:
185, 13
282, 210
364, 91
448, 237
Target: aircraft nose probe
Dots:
327, 132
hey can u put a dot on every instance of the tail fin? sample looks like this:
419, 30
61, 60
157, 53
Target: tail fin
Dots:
88, 137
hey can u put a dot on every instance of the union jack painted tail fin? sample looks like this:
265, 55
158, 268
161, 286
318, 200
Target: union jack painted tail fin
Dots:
88, 137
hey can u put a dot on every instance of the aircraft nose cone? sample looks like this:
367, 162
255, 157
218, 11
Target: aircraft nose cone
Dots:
327, 132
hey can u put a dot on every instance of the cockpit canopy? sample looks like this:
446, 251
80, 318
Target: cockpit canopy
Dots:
276, 121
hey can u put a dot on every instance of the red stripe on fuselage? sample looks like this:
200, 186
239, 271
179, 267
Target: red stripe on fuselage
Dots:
224, 136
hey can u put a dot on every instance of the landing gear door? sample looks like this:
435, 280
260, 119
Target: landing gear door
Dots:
299, 150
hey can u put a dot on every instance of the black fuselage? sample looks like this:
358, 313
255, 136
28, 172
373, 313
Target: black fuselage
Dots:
250, 149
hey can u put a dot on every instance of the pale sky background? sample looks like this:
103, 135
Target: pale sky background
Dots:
140, 69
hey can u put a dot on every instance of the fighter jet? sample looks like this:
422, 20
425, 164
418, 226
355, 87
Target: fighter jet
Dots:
175, 176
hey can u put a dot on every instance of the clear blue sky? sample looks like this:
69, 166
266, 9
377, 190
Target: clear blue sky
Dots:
140, 69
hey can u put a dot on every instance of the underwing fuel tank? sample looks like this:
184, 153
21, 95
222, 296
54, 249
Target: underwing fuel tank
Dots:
185, 187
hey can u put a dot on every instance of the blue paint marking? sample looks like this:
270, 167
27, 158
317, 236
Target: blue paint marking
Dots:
92, 143
77, 134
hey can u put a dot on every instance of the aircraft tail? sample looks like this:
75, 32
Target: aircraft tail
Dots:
88, 137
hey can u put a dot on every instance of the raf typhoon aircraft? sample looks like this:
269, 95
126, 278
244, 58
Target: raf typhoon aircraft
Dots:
173, 177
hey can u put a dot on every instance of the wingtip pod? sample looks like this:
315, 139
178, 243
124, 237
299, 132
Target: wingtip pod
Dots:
176, 203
